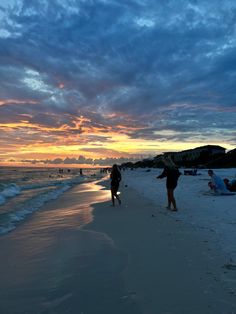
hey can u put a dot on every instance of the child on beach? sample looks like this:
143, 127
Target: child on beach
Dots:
115, 182
216, 184
171, 172
230, 185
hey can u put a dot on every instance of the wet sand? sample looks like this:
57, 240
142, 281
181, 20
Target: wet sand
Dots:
49, 265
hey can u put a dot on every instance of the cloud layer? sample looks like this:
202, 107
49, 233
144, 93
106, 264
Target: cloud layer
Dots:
81, 72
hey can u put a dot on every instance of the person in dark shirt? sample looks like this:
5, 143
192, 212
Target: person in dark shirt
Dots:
171, 172
115, 182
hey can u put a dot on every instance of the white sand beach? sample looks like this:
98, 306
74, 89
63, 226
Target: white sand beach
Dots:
175, 264
80, 255
215, 214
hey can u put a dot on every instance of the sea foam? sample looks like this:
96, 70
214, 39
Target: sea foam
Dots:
14, 218
7, 191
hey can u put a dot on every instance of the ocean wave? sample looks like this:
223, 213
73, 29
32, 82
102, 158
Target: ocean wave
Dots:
12, 219
57, 182
11, 190
7, 191
16, 211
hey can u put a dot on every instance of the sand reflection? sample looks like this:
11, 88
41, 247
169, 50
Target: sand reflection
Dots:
73, 209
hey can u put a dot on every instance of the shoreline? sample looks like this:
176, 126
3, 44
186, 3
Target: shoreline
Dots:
50, 264
172, 267
131, 259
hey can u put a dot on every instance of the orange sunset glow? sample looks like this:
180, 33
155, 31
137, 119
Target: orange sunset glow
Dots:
28, 142
75, 90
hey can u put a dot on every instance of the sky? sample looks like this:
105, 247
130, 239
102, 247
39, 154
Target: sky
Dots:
97, 82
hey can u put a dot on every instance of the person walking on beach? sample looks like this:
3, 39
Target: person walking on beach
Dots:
115, 182
171, 172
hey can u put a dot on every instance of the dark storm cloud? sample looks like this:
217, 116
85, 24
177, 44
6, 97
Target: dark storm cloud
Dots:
160, 62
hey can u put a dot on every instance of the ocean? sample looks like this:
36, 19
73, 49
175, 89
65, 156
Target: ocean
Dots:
25, 190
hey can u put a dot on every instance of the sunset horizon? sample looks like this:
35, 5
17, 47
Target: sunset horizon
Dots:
92, 83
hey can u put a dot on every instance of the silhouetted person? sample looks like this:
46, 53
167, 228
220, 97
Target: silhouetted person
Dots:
81, 172
171, 172
115, 182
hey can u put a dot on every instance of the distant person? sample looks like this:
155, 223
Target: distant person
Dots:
190, 172
81, 172
171, 172
115, 182
230, 185
216, 184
